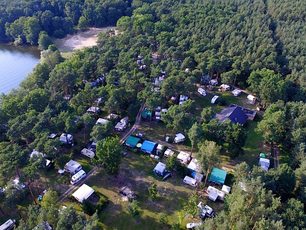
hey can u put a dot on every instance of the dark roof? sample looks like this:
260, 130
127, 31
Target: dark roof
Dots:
235, 114
238, 116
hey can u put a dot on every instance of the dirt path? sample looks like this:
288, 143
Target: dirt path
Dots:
94, 171
136, 124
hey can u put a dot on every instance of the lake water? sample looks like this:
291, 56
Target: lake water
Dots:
15, 64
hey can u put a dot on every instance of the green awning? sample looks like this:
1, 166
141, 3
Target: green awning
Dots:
132, 141
218, 176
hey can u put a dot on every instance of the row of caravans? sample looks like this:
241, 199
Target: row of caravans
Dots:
76, 170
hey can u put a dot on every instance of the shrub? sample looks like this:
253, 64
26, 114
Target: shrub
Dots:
88, 207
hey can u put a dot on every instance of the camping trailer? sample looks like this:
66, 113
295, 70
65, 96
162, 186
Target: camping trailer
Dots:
168, 153
184, 157
179, 137
83, 193
214, 99
73, 167
160, 169
77, 177
264, 163
88, 153
66, 138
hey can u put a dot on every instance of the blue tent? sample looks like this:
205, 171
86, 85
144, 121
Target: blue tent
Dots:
148, 147
217, 176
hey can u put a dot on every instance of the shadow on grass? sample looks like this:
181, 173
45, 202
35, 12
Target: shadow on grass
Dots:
136, 173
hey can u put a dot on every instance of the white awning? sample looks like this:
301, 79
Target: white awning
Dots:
83, 193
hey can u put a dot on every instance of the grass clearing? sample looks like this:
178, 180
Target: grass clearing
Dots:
136, 173
253, 144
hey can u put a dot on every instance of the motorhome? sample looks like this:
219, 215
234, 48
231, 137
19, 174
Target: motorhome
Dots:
202, 91
179, 137
9, 224
77, 177
190, 181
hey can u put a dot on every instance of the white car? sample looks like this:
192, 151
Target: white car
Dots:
192, 225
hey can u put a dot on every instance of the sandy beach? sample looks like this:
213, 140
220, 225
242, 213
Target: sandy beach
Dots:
80, 40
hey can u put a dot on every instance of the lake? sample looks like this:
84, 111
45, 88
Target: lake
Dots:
15, 64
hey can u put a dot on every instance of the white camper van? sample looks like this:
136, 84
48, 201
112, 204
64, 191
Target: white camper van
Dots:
202, 91
179, 137
77, 177
190, 181
9, 224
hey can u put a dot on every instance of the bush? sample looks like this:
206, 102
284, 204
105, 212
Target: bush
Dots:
221, 101
133, 208
163, 219
88, 207
59, 33
103, 201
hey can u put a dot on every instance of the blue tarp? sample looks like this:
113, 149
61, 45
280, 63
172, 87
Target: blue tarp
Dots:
148, 146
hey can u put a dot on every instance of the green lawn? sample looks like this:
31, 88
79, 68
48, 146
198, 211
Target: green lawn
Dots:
253, 144
136, 172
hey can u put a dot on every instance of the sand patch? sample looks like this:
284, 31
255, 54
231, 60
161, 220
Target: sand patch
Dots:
80, 40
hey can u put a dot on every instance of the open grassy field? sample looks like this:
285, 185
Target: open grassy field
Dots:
136, 172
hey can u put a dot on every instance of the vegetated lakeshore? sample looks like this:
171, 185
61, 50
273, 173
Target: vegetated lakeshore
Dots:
18, 61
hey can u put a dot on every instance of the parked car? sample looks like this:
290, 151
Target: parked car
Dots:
192, 225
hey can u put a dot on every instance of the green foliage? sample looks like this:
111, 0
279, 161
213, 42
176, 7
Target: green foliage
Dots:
207, 114
103, 201
133, 209
88, 207
281, 181
44, 41
209, 156
176, 226
191, 204
293, 216
152, 190
172, 163
163, 219
50, 199
109, 153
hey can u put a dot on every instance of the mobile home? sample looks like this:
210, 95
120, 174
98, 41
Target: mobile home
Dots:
78, 177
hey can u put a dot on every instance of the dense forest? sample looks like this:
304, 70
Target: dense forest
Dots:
258, 45
22, 21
